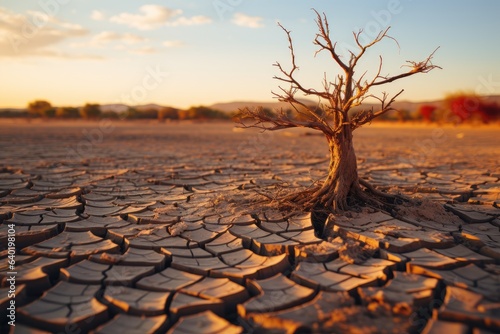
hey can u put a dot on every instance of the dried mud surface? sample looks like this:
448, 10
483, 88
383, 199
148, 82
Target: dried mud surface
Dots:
137, 228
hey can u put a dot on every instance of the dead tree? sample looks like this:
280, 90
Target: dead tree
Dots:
342, 188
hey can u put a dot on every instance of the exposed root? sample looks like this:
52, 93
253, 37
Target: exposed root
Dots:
392, 198
314, 199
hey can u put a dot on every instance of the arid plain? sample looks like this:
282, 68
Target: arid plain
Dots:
143, 227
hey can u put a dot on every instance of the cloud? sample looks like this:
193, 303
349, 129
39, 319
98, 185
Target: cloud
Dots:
150, 17
107, 37
35, 34
147, 50
54, 53
97, 15
243, 20
132, 38
156, 16
173, 44
190, 21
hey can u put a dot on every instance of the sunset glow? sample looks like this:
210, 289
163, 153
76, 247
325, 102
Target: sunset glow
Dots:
183, 53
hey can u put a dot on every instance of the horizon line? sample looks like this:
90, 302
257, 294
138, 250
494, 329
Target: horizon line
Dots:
216, 103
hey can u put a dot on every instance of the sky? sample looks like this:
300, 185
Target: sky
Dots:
200, 52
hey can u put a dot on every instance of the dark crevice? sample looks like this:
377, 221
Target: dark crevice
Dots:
318, 220
423, 314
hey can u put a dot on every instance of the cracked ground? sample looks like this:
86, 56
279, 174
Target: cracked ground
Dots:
136, 228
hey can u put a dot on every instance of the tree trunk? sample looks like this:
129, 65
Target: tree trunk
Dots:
342, 180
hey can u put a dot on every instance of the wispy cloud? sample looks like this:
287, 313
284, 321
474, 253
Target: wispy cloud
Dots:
150, 17
107, 37
36, 34
147, 50
189, 21
155, 16
97, 15
244, 20
54, 53
173, 44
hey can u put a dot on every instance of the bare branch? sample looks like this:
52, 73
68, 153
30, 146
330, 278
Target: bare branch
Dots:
259, 119
363, 48
288, 76
424, 66
366, 116
362, 88
341, 95
326, 43
385, 107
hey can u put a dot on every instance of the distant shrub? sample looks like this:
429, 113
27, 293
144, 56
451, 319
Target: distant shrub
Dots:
12, 113
427, 112
397, 115
41, 108
110, 114
148, 114
489, 112
67, 112
168, 113
134, 113
464, 107
90, 111
202, 113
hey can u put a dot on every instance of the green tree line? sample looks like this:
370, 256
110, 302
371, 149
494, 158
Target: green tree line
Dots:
44, 109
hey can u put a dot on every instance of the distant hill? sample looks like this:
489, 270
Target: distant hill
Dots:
119, 108
411, 107
234, 106
150, 106
414, 106
399, 105
114, 107
492, 99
